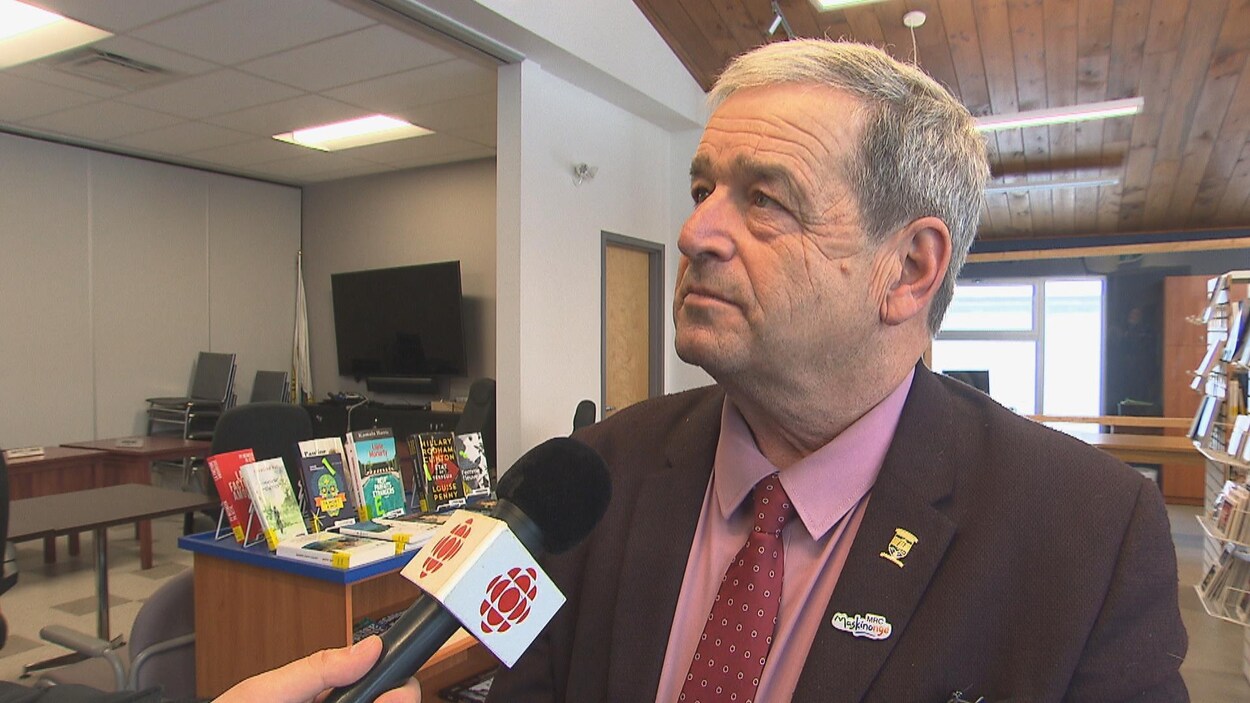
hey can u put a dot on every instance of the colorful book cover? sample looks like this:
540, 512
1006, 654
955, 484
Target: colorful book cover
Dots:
234, 497
330, 500
337, 550
471, 456
381, 484
440, 472
274, 501
407, 535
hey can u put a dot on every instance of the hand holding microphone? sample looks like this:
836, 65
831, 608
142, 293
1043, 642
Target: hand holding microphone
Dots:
549, 500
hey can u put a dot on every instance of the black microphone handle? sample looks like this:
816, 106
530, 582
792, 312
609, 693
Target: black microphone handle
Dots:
425, 627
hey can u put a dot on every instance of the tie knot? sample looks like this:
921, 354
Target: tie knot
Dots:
772, 506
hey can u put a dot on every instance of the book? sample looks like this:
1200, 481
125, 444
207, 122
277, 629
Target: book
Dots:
235, 501
273, 501
334, 549
406, 535
474, 473
1237, 438
377, 465
327, 485
440, 472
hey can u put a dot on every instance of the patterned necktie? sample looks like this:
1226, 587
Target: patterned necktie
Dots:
739, 630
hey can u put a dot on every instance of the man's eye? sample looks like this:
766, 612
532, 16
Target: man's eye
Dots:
699, 194
761, 200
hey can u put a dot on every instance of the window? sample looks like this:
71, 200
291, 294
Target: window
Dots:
1040, 339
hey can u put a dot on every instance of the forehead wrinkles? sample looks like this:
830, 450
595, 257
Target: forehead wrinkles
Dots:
807, 148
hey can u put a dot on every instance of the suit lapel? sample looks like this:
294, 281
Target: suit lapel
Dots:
662, 531
915, 478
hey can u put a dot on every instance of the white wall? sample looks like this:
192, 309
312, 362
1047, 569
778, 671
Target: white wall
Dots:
115, 272
549, 239
424, 215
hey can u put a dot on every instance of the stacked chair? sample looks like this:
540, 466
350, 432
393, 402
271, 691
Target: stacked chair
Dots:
195, 415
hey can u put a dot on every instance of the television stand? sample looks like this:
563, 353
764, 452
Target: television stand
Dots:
416, 385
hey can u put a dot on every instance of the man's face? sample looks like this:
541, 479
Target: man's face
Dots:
776, 272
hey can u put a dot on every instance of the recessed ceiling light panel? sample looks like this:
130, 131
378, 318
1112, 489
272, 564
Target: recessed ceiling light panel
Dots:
361, 131
28, 33
829, 5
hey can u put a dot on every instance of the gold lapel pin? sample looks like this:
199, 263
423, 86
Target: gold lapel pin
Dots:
900, 545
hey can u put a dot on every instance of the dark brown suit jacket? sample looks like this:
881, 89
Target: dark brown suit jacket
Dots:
1044, 569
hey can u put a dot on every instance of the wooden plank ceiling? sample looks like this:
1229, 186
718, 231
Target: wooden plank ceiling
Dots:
1183, 163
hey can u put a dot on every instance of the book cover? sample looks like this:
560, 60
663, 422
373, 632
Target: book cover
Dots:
274, 501
334, 549
418, 472
407, 535
440, 472
330, 499
235, 500
377, 465
471, 456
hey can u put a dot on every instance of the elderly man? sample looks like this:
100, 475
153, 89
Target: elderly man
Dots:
831, 521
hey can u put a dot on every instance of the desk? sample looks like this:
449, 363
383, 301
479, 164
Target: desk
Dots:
134, 464
1145, 449
98, 509
255, 611
58, 470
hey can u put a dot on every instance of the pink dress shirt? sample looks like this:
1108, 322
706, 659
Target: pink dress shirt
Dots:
829, 489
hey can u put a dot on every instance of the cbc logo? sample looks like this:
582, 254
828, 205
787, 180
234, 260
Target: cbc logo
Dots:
446, 548
508, 598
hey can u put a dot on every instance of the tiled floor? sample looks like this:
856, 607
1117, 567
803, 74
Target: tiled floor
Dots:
63, 593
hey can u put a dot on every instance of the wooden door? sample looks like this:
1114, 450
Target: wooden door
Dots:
629, 331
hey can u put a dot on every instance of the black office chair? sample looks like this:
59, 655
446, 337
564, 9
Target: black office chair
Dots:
269, 429
584, 415
194, 415
479, 416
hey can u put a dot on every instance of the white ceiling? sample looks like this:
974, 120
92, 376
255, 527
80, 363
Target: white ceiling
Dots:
244, 70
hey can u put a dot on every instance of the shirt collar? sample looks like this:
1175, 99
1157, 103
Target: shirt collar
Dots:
824, 485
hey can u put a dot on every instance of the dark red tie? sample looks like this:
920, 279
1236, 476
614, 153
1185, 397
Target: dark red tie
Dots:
739, 630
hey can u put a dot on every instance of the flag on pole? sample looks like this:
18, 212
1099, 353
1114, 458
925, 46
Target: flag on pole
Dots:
301, 373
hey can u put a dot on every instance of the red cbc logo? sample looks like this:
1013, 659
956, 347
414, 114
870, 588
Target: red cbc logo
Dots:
446, 548
508, 598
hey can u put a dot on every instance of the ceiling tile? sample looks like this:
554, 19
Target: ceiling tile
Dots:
213, 93
21, 98
483, 134
321, 166
117, 15
376, 51
44, 73
287, 115
397, 94
248, 153
183, 138
455, 113
233, 31
102, 120
404, 150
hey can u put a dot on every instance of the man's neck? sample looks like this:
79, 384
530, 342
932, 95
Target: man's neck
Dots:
791, 422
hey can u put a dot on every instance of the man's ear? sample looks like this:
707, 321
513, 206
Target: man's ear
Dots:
923, 251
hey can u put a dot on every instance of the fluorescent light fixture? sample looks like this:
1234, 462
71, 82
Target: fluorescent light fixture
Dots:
28, 33
1024, 186
361, 131
827, 5
1061, 115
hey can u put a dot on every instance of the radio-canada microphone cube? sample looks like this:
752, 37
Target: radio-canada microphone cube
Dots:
477, 568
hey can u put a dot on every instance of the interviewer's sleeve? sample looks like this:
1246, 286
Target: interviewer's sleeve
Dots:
1138, 642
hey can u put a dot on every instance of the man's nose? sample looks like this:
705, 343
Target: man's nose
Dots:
708, 232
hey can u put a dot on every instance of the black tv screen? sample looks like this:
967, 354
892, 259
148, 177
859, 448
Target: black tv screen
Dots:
403, 321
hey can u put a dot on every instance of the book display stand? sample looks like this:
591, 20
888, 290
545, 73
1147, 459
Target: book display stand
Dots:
1221, 432
247, 529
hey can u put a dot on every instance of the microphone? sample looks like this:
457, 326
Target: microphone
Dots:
550, 499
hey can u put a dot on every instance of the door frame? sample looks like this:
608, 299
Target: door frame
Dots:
655, 314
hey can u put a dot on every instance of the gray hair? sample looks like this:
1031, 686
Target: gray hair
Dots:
920, 154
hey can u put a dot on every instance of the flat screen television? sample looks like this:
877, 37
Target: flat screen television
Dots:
400, 322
